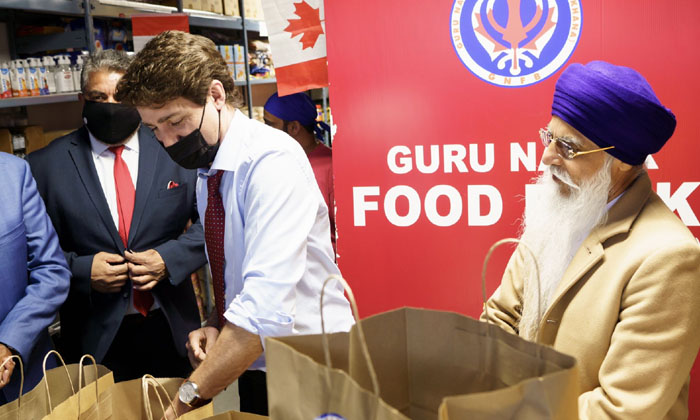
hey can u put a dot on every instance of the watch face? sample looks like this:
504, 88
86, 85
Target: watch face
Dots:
187, 392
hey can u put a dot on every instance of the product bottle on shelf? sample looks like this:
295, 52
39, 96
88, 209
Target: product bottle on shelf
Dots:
64, 75
5, 81
50, 65
32, 77
41, 76
77, 69
19, 145
19, 80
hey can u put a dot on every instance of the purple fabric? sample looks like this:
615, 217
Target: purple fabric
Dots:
297, 107
613, 106
294, 107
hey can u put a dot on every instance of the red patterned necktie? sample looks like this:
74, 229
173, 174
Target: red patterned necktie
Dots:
126, 193
214, 223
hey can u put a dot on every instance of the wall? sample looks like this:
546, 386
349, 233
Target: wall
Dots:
396, 79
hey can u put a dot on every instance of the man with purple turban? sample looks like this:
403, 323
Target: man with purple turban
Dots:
619, 272
296, 114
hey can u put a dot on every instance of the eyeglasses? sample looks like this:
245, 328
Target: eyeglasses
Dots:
564, 148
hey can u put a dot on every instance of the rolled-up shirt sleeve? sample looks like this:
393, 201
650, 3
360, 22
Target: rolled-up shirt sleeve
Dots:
279, 209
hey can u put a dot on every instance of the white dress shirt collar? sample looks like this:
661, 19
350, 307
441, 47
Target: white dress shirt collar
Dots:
230, 145
99, 147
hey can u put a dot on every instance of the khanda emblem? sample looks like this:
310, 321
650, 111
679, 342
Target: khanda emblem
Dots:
515, 43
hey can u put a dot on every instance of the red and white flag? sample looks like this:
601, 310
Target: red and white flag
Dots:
297, 33
146, 26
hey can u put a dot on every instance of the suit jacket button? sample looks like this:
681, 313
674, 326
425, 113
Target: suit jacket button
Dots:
125, 295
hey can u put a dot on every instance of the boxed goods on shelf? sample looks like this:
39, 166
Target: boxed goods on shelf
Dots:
231, 8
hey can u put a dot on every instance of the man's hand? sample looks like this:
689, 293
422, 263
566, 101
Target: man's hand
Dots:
146, 268
108, 273
6, 371
180, 407
199, 343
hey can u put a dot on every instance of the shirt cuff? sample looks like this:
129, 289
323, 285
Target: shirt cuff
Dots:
245, 314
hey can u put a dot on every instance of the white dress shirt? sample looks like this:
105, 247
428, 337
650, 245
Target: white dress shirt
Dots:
277, 237
104, 164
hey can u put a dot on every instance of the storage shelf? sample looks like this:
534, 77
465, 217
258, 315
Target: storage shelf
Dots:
126, 8
38, 100
256, 82
70, 7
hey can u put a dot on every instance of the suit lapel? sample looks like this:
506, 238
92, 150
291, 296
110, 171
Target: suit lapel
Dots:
81, 154
148, 162
620, 219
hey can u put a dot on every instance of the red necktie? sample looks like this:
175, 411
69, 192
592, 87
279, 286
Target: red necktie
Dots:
214, 223
143, 300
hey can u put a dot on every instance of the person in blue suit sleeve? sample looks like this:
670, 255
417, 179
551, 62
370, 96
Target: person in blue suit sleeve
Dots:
34, 276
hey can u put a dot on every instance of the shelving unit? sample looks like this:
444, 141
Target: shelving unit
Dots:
256, 82
39, 100
117, 9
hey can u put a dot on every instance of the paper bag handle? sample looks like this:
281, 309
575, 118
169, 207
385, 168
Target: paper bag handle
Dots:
146, 381
46, 380
360, 331
486, 262
21, 381
80, 383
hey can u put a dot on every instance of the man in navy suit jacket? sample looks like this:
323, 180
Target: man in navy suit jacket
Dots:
114, 263
34, 276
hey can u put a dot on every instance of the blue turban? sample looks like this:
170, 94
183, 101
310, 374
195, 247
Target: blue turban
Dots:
613, 106
296, 107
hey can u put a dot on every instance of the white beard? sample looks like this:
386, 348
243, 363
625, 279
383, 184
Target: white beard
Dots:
554, 226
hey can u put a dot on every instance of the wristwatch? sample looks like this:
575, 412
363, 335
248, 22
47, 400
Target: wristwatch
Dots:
189, 395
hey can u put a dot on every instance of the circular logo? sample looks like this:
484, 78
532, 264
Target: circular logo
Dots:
330, 416
515, 43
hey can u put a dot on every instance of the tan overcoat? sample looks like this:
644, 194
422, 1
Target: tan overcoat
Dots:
628, 309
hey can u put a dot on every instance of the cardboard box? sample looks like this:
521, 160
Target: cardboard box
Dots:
5, 140
34, 138
239, 62
253, 9
231, 8
192, 4
227, 53
214, 6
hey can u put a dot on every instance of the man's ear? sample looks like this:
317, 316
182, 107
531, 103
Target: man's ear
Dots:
293, 128
217, 91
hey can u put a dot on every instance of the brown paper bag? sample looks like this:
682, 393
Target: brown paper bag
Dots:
11, 410
428, 360
148, 398
307, 378
90, 402
56, 386
236, 415
433, 360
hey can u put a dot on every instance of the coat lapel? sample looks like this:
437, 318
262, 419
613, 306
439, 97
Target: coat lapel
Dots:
148, 162
620, 219
81, 154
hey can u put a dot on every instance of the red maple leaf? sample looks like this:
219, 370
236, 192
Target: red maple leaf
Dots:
309, 24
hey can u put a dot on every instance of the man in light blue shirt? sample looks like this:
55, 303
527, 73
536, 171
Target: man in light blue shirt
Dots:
265, 219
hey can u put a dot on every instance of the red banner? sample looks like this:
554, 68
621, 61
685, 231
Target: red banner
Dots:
438, 129
146, 26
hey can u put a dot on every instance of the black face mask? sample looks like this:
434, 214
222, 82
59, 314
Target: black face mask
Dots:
192, 151
109, 122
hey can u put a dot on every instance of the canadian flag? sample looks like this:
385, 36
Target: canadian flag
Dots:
146, 26
297, 35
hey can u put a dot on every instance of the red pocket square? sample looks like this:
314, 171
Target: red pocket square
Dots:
172, 184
